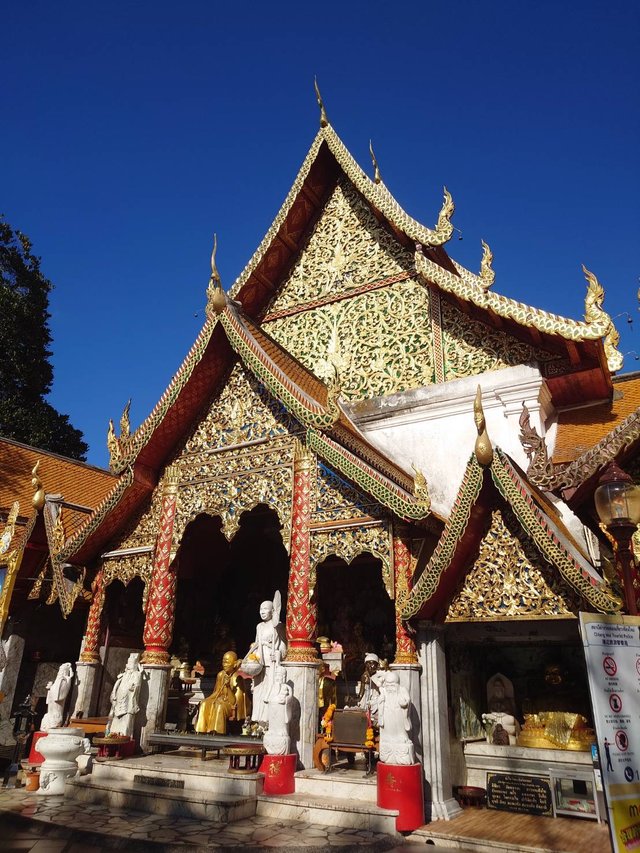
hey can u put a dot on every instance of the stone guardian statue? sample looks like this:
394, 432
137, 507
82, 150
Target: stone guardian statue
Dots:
57, 692
394, 706
125, 698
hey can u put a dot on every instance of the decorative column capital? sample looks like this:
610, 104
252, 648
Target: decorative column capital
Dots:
171, 480
303, 458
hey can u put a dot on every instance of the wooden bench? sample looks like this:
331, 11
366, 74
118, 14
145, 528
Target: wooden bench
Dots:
204, 742
349, 736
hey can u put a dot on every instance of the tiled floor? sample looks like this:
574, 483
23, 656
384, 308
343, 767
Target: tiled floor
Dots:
56, 825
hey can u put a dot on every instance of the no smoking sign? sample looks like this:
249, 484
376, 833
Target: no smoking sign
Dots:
609, 666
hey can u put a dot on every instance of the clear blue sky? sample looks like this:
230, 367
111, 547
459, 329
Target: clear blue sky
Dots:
132, 131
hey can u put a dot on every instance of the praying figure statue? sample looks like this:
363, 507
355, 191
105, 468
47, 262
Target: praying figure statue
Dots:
125, 698
228, 700
268, 648
57, 692
394, 709
276, 737
369, 690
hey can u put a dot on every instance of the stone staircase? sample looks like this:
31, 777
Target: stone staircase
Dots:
185, 786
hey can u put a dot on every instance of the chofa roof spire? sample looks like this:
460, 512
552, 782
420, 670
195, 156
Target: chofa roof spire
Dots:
216, 300
377, 178
324, 121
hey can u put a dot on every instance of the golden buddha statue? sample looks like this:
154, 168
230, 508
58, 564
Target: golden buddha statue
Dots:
228, 700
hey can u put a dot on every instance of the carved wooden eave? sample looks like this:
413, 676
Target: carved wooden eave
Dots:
482, 489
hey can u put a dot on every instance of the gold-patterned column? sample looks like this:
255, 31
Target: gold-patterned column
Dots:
405, 647
302, 613
161, 604
91, 642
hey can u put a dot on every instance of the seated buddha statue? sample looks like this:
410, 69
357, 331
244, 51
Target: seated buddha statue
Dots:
228, 700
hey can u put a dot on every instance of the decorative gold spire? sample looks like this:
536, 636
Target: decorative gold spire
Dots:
444, 228
376, 169
483, 449
38, 496
113, 445
216, 300
487, 273
594, 313
324, 121
125, 425
7, 533
420, 488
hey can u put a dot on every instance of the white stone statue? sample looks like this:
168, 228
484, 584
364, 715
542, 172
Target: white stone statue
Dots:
125, 698
269, 648
368, 687
57, 692
276, 738
394, 707
501, 707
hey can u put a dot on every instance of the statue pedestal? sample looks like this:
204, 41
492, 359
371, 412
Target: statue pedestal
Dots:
36, 757
400, 787
278, 773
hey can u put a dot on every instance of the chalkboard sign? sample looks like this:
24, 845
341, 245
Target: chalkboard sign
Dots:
524, 794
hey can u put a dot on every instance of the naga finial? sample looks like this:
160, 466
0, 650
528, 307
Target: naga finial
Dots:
324, 121
376, 169
595, 313
125, 425
113, 445
216, 300
444, 227
420, 488
483, 448
487, 273
37, 500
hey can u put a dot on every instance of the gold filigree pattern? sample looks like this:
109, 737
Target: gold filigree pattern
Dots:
510, 579
127, 567
9, 529
337, 500
471, 347
348, 542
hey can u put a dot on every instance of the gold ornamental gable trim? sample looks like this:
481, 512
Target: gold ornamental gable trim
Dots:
124, 450
470, 287
12, 560
454, 529
383, 490
512, 488
376, 194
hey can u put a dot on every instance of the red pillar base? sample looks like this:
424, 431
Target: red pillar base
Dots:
36, 757
400, 787
278, 773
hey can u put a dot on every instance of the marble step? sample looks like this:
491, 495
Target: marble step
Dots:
330, 811
184, 773
169, 801
343, 785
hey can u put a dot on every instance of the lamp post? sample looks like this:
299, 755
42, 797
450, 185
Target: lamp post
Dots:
618, 505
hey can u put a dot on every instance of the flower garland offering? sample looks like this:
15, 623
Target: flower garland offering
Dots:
327, 723
368, 738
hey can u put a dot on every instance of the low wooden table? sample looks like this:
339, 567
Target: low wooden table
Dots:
109, 747
250, 752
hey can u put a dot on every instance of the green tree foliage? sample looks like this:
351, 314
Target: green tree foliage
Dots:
26, 373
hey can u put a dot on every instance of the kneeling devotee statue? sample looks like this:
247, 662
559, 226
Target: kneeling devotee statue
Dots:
125, 698
228, 700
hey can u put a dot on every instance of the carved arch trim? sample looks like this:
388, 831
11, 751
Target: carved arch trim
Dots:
347, 543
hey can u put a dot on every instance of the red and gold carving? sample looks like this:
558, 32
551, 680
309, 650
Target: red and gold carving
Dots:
91, 644
158, 626
301, 608
405, 647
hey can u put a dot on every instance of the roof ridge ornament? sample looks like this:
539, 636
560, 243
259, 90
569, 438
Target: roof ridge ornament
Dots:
9, 528
444, 227
113, 446
216, 299
420, 488
483, 448
487, 273
324, 121
377, 178
38, 496
125, 424
594, 313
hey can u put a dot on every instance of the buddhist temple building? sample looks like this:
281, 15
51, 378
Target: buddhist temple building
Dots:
407, 455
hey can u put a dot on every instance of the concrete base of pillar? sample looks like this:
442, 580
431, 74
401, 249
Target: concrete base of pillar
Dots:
444, 810
153, 703
303, 678
86, 688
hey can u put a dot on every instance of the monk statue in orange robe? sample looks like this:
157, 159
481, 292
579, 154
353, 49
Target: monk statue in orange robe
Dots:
228, 700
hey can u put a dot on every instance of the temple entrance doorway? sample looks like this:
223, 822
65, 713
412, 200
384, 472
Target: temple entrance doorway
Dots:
124, 624
221, 585
354, 610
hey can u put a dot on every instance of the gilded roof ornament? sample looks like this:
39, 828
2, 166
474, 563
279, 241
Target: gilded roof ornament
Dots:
420, 488
216, 299
487, 273
38, 496
10, 526
113, 445
594, 313
377, 179
324, 121
483, 448
125, 424
444, 227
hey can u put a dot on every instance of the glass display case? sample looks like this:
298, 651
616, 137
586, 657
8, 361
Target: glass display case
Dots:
575, 796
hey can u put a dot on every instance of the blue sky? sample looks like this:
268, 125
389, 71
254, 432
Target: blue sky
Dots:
132, 131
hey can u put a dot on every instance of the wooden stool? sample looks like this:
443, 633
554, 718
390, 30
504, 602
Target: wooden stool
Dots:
251, 754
